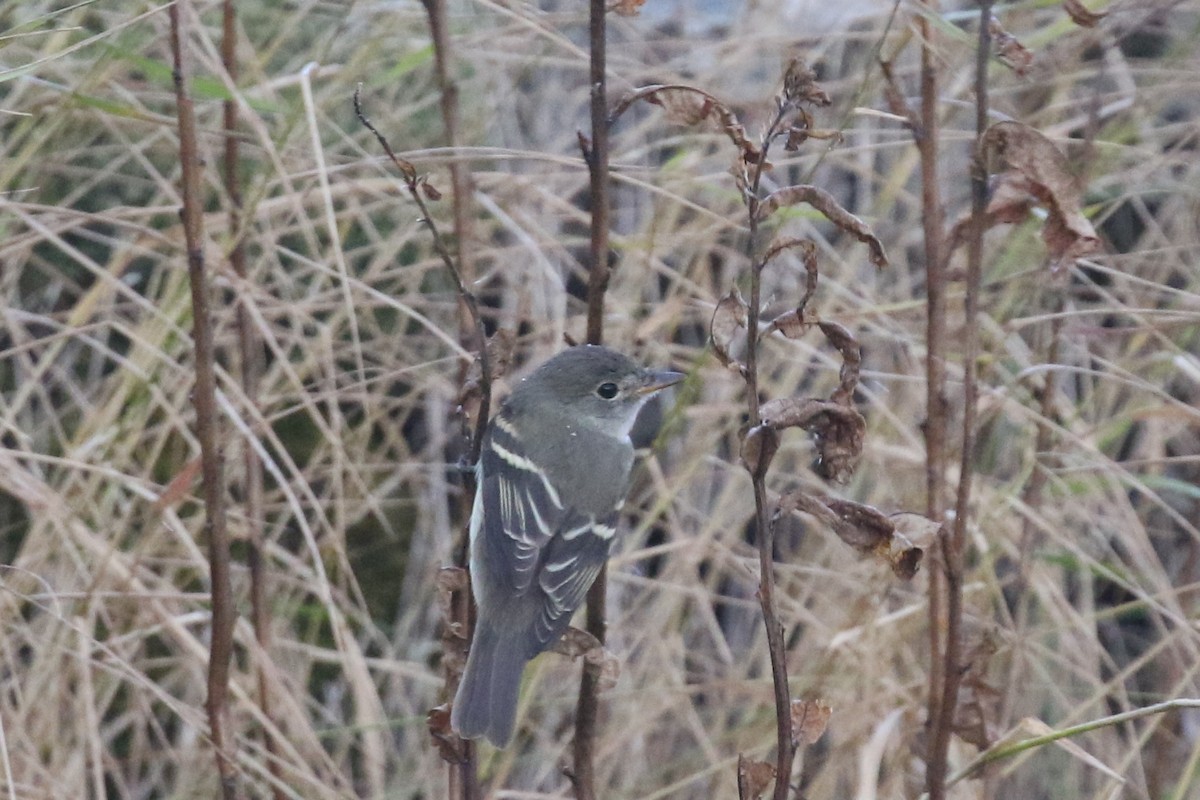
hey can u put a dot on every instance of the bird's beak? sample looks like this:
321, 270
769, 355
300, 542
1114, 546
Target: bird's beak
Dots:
657, 380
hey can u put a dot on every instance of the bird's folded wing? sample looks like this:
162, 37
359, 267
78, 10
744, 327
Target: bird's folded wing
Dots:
537, 548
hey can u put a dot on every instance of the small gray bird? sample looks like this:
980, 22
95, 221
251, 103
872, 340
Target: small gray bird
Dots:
552, 477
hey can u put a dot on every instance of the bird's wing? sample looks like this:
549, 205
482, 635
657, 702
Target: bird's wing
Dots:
538, 551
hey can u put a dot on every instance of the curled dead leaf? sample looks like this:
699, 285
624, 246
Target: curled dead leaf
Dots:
800, 84
793, 324
851, 353
809, 720
1009, 49
824, 202
1068, 234
865, 528
759, 448
691, 106
1081, 15
837, 431
730, 314
446, 741
753, 777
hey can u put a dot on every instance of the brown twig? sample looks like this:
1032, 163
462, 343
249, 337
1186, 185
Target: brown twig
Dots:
463, 781
764, 524
927, 134
250, 351
205, 399
954, 545
418, 187
596, 155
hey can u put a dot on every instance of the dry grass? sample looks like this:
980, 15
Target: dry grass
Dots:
1087, 585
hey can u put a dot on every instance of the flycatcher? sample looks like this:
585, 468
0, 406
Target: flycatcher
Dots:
552, 477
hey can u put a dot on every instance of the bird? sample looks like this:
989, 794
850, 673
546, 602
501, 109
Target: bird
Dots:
553, 473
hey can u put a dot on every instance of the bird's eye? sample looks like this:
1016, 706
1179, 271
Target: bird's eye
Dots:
607, 390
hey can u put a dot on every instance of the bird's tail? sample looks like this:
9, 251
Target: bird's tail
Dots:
486, 703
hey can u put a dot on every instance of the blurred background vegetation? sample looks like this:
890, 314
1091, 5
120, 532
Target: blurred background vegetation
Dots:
1083, 570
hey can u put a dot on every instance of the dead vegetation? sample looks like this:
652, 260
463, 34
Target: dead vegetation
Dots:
1080, 555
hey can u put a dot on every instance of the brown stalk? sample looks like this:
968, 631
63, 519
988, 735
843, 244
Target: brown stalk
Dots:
954, 545
764, 524
463, 781
927, 136
205, 399
583, 775
250, 351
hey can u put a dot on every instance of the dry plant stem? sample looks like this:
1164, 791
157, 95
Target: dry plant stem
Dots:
954, 545
463, 781
250, 351
413, 183
205, 400
765, 530
937, 421
587, 708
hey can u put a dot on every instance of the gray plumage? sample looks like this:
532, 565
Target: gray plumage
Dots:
552, 476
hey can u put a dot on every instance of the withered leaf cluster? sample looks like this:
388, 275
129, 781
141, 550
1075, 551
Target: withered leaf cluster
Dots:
1037, 175
687, 105
824, 202
863, 527
837, 428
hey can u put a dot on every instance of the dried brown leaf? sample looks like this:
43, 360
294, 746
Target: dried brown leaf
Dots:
792, 324
1081, 15
759, 448
730, 314
754, 778
837, 431
809, 720
851, 352
446, 741
691, 106
800, 85
1068, 233
430, 191
1009, 49
824, 202
865, 528
627, 8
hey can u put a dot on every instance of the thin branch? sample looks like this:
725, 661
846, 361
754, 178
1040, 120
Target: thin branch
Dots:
953, 547
205, 400
463, 779
418, 187
587, 708
927, 134
764, 524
